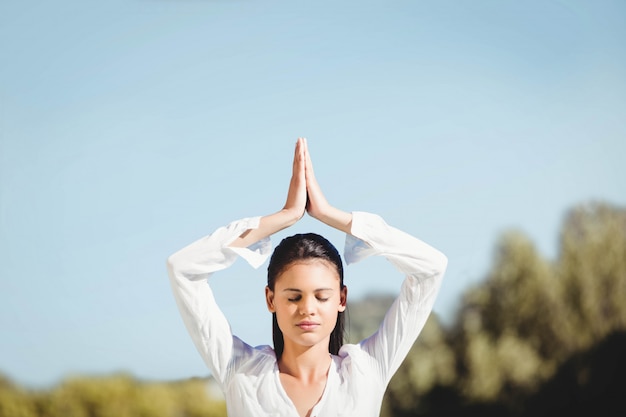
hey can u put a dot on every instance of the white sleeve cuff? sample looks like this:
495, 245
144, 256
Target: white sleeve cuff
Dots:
255, 254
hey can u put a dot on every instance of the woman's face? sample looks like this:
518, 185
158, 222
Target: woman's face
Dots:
307, 300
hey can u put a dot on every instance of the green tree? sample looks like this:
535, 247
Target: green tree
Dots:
592, 272
14, 402
365, 315
529, 315
516, 328
430, 363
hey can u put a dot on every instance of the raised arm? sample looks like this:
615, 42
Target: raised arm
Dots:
191, 267
317, 205
422, 265
292, 211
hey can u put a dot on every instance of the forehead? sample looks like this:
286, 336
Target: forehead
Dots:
309, 272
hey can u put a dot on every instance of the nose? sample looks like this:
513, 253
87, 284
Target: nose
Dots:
307, 306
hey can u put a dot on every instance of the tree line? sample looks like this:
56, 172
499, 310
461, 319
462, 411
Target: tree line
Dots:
118, 395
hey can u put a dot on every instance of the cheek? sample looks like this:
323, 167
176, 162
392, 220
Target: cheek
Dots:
284, 308
334, 309
285, 315
331, 307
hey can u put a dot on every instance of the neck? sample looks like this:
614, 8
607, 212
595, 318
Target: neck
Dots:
306, 363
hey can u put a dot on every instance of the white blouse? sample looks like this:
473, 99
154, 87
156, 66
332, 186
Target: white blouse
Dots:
359, 374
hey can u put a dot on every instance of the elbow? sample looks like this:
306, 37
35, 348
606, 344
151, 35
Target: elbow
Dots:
172, 263
440, 264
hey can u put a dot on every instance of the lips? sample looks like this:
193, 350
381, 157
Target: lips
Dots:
307, 325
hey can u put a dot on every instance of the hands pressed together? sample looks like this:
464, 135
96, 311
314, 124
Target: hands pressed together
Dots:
304, 195
304, 192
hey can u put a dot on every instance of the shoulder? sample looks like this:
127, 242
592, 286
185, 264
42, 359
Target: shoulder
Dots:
261, 350
249, 358
353, 355
355, 364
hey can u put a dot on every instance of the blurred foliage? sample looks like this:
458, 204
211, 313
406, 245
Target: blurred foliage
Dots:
535, 338
512, 342
112, 396
364, 316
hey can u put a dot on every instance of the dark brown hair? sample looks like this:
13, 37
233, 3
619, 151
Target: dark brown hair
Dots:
304, 246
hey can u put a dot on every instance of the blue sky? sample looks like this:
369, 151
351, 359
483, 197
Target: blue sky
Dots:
131, 128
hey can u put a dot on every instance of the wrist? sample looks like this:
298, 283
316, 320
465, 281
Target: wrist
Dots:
334, 217
290, 216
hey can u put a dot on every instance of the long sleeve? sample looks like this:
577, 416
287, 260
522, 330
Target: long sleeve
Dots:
423, 266
359, 374
189, 270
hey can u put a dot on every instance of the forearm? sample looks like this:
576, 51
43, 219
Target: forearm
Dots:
268, 225
336, 218
318, 207
409, 254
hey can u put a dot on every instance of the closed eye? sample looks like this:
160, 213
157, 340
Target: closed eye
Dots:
321, 294
296, 299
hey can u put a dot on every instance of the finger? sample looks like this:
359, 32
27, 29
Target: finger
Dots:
297, 157
307, 158
301, 161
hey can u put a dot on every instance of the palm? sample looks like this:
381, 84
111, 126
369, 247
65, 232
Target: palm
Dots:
297, 195
316, 203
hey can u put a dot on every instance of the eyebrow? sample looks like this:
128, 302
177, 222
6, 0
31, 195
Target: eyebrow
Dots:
316, 290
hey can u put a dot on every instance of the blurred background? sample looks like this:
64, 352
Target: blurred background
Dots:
493, 130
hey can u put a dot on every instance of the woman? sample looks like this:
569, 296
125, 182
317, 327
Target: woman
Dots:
310, 372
